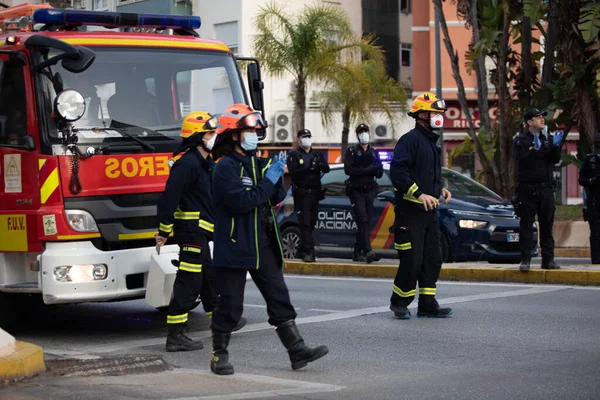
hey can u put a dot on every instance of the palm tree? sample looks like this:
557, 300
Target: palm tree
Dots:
306, 46
357, 88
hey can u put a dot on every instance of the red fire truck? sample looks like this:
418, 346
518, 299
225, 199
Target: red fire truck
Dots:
91, 105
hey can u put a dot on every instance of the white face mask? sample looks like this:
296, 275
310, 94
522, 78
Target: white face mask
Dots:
306, 142
363, 138
250, 141
436, 121
210, 143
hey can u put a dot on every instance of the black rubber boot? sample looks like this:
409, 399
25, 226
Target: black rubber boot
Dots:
358, 255
177, 341
550, 265
300, 354
429, 307
525, 265
241, 323
371, 257
400, 312
309, 257
219, 364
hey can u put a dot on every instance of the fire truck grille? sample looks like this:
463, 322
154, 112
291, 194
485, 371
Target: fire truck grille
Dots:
135, 200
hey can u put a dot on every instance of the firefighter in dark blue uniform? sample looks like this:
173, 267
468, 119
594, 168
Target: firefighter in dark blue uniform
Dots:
306, 167
416, 173
535, 156
185, 209
589, 178
247, 240
363, 166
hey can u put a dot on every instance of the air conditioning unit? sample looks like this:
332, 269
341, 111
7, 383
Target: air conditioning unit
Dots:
282, 128
381, 132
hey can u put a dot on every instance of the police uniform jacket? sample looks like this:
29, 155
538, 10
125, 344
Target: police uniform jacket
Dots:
305, 168
590, 170
186, 203
240, 193
416, 167
535, 166
362, 166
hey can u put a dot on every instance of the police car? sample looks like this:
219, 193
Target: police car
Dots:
477, 224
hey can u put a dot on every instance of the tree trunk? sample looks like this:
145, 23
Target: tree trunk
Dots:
345, 130
587, 118
462, 97
299, 105
481, 74
504, 186
550, 46
526, 64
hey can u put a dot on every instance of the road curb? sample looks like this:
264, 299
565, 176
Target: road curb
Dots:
572, 252
454, 273
25, 362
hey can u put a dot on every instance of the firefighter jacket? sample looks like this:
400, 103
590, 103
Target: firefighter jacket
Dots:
244, 218
306, 167
535, 166
362, 166
416, 167
186, 203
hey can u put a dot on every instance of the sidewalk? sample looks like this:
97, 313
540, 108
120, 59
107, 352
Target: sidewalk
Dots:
19, 360
468, 271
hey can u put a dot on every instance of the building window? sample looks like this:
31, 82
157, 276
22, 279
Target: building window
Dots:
406, 54
405, 6
228, 34
101, 5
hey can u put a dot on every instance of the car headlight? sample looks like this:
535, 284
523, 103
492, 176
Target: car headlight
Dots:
81, 221
472, 224
81, 273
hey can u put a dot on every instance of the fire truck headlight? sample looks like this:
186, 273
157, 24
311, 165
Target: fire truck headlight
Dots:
81, 221
70, 105
80, 273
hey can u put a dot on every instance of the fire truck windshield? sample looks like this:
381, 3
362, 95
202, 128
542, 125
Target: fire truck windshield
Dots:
146, 88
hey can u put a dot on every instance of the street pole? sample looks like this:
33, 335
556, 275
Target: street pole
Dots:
438, 76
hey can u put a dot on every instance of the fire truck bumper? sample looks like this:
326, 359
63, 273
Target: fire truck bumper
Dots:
75, 272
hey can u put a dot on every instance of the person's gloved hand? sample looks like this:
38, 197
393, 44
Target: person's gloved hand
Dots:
558, 138
276, 170
537, 143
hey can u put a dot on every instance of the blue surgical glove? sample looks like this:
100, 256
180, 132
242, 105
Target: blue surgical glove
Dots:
537, 143
276, 170
558, 138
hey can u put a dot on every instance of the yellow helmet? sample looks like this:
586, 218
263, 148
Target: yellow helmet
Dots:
197, 122
427, 101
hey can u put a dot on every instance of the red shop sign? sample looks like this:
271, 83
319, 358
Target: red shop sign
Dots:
455, 118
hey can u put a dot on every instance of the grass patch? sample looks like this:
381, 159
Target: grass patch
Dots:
568, 213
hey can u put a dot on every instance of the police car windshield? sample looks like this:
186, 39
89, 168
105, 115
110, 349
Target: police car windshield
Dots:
460, 185
150, 88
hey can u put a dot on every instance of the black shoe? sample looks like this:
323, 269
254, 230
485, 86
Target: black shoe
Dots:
400, 312
241, 323
370, 257
178, 341
358, 255
550, 265
430, 308
300, 354
525, 266
219, 364
309, 258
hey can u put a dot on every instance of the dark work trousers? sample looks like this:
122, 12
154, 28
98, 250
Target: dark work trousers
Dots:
417, 238
195, 277
536, 199
593, 216
362, 210
307, 208
230, 285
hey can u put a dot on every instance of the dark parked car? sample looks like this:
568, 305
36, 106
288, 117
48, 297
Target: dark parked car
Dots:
477, 224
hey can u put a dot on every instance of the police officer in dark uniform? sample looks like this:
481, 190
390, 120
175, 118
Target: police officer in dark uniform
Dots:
247, 239
589, 178
363, 166
416, 173
185, 207
535, 154
306, 167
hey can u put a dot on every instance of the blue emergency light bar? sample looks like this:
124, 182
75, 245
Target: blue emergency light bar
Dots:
114, 19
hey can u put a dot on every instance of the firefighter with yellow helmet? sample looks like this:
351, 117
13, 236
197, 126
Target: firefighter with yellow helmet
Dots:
416, 173
185, 210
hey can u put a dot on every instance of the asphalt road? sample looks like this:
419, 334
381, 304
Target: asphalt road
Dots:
503, 341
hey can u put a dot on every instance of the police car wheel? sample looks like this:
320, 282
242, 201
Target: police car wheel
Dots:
290, 241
